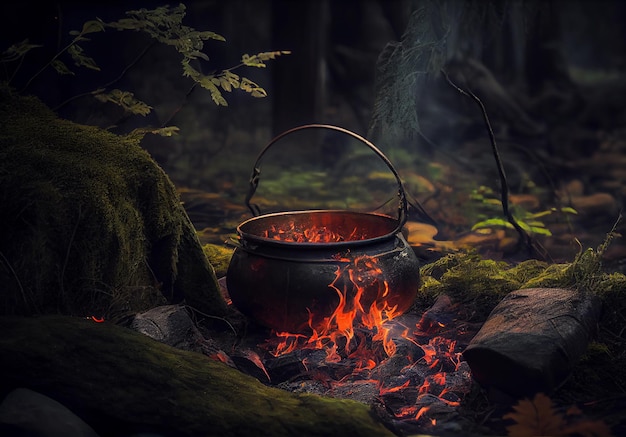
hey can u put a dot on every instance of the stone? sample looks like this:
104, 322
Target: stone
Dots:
93, 225
169, 324
27, 413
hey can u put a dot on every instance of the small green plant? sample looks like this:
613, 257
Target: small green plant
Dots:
165, 25
528, 221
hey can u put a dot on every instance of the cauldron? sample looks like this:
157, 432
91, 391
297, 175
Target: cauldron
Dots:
288, 267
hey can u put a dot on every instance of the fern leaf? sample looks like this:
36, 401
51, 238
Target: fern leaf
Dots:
80, 60
91, 26
258, 92
196, 54
258, 59
61, 68
211, 35
207, 83
251, 61
189, 71
163, 131
125, 100
225, 84
17, 51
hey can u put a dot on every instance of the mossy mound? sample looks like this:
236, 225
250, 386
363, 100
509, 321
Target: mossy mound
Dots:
90, 223
122, 382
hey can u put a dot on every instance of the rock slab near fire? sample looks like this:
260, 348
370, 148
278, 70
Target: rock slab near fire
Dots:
532, 339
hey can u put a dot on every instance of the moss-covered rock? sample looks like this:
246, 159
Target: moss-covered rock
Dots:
90, 223
122, 382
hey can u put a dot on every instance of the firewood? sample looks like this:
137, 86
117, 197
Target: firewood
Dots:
532, 339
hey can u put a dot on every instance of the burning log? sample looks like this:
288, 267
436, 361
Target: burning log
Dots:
532, 339
122, 382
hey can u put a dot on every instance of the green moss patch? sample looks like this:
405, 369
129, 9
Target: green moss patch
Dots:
121, 381
90, 223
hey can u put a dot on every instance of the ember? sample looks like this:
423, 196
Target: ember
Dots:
367, 351
312, 234
335, 289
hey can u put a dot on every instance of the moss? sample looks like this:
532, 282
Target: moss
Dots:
88, 219
468, 278
481, 284
219, 257
119, 380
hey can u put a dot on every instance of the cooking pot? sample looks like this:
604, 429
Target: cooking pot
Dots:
291, 270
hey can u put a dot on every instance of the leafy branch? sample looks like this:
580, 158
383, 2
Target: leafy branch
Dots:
164, 25
18, 52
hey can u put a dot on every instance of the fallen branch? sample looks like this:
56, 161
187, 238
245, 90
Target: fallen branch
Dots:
504, 187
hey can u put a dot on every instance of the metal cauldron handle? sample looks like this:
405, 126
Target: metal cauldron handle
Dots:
256, 172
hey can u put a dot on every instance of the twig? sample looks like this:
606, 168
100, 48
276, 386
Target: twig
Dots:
232, 328
106, 85
504, 187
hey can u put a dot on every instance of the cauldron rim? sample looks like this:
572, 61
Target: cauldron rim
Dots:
383, 220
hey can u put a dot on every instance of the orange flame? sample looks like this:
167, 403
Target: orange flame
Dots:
358, 327
363, 294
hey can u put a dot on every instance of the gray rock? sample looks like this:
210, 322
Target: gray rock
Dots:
26, 413
169, 324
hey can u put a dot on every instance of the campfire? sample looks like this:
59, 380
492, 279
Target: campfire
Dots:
332, 294
406, 365
331, 297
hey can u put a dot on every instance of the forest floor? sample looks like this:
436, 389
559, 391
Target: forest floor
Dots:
567, 189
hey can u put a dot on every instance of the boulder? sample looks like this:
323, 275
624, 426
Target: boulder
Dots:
91, 223
122, 382
24, 412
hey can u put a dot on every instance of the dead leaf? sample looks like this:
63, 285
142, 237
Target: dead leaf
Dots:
535, 418
540, 418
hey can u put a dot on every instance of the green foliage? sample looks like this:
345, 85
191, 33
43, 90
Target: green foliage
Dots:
142, 131
468, 278
124, 99
165, 25
528, 221
18, 51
